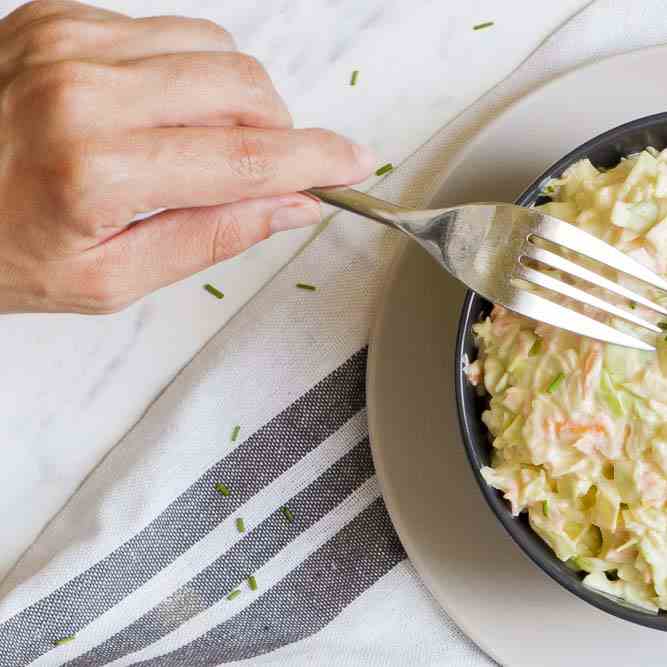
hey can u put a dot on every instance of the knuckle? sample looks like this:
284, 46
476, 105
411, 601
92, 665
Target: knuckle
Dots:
72, 179
99, 291
331, 143
252, 73
61, 92
53, 37
34, 9
227, 238
102, 295
248, 157
216, 30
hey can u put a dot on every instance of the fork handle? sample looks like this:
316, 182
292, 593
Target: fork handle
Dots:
358, 202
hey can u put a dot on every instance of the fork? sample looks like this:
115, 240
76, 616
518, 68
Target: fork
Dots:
498, 251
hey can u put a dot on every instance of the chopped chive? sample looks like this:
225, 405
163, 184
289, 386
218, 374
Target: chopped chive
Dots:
354, 77
235, 432
240, 525
252, 582
287, 513
481, 26
234, 594
663, 325
384, 169
535, 348
555, 383
221, 488
549, 190
306, 286
64, 640
214, 291
666, 338
545, 508
633, 305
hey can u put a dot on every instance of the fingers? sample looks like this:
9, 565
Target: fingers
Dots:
39, 10
156, 35
185, 167
52, 34
174, 244
197, 89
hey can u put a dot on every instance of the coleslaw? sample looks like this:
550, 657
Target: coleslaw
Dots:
579, 427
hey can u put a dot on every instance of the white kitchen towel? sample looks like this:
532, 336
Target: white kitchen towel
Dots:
143, 565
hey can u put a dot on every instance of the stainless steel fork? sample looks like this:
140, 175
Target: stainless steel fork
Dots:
494, 249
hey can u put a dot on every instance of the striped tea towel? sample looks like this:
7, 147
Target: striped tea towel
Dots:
148, 564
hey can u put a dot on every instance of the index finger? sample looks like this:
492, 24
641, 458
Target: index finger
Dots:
175, 167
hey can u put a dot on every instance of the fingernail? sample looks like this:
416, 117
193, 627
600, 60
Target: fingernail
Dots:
295, 216
365, 156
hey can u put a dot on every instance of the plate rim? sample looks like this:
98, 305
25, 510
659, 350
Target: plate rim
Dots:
383, 304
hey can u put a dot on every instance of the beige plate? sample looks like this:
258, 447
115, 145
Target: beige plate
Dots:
504, 602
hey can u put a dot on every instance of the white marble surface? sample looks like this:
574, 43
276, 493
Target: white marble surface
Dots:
71, 386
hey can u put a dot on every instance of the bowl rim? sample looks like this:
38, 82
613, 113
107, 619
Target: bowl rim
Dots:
466, 415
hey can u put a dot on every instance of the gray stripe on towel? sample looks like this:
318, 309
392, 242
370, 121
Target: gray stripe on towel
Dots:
305, 601
230, 569
263, 457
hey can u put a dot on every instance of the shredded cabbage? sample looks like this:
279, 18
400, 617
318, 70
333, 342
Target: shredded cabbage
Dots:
580, 427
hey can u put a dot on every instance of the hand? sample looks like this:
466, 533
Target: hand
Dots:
104, 117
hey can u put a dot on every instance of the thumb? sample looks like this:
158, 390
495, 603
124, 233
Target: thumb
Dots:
174, 244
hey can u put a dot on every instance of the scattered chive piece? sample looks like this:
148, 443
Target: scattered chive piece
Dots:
214, 291
555, 383
663, 325
287, 513
624, 506
633, 305
535, 348
234, 594
481, 26
354, 77
240, 525
252, 582
221, 488
545, 507
666, 338
385, 168
64, 640
235, 432
306, 286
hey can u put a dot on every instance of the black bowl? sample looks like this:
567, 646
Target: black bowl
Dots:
605, 150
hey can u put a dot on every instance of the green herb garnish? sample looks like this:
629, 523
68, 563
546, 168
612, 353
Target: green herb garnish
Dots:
545, 508
384, 169
354, 77
221, 488
235, 432
633, 305
287, 513
64, 640
481, 26
234, 594
240, 525
214, 291
663, 325
555, 383
549, 190
306, 286
252, 582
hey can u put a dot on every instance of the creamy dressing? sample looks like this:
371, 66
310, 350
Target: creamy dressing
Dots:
580, 427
